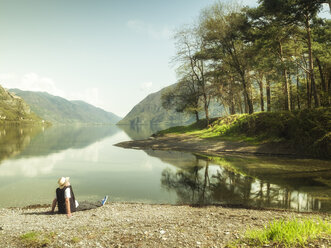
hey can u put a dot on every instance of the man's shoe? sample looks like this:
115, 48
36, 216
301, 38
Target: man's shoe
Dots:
104, 200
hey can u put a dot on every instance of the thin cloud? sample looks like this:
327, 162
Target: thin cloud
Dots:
34, 82
90, 95
141, 27
147, 86
31, 82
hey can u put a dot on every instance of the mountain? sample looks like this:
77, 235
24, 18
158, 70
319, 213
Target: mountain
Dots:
59, 110
14, 108
150, 112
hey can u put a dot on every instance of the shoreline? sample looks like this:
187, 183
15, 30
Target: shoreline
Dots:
212, 147
119, 224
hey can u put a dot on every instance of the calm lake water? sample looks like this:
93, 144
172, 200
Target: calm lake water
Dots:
32, 159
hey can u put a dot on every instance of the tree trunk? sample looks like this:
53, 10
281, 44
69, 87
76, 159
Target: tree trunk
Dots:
232, 109
323, 83
268, 96
206, 108
308, 90
261, 94
291, 92
204, 94
311, 64
240, 104
287, 105
246, 94
245, 103
196, 115
298, 91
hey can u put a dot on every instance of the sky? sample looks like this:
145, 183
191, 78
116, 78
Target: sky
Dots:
109, 53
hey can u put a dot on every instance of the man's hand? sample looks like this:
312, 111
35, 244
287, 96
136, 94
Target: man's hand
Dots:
53, 205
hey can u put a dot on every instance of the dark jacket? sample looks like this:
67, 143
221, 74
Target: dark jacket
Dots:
61, 203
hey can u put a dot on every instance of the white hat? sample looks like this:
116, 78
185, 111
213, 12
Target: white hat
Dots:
63, 181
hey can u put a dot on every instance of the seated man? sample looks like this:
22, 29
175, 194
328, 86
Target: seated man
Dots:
65, 198
66, 201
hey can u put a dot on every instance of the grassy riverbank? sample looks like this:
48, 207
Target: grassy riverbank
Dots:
149, 225
306, 131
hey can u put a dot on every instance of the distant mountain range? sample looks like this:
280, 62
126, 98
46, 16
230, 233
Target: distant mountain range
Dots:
14, 108
150, 112
59, 110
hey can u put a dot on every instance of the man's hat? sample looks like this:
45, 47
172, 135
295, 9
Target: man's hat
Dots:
62, 181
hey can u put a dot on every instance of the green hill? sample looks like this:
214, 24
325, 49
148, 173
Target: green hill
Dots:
307, 131
59, 110
14, 109
150, 112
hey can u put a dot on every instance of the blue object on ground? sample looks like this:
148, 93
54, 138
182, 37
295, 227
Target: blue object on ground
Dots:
104, 200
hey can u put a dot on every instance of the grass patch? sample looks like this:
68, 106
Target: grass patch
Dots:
75, 240
289, 233
195, 127
37, 239
307, 131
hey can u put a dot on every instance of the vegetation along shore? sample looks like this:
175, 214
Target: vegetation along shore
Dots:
300, 133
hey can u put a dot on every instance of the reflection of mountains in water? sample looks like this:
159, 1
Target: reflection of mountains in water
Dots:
58, 138
259, 182
139, 132
14, 139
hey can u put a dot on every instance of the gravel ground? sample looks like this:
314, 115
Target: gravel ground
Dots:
136, 225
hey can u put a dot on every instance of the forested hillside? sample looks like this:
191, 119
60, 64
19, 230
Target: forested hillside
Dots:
59, 110
13, 109
151, 112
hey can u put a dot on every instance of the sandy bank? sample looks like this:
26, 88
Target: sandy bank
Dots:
137, 225
214, 147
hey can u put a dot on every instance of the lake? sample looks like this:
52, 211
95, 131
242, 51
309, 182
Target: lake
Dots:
33, 158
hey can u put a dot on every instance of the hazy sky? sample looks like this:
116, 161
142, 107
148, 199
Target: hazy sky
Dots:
111, 54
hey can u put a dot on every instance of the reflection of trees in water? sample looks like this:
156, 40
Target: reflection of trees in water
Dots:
14, 139
189, 185
217, 185
138, 132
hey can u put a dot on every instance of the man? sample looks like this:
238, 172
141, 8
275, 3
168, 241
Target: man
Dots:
66, 201
65, 198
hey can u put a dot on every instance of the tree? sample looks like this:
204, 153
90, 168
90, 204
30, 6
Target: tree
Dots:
321, 33
301, 13
183, 98
189, 44
224, 35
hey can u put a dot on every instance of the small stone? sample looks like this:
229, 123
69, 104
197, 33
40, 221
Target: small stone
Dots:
198, 243
162, 232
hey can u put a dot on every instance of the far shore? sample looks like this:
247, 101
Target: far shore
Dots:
212, 147
139, 225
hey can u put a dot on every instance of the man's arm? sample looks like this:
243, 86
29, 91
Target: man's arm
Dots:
68, 207
54, 205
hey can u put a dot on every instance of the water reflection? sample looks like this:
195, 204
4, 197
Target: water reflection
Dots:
13, 140
209, 181
19, 143
35, 158
138, 132
59, 138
